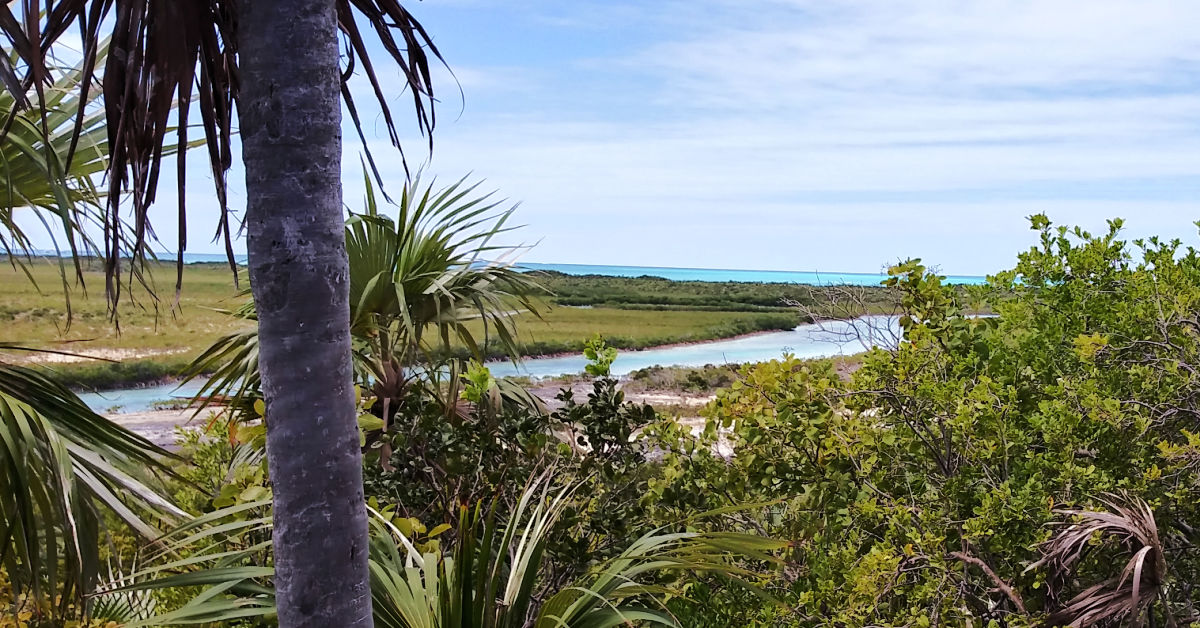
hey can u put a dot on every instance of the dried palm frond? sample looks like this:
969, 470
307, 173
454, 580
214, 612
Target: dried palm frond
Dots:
162, 54
1130, 594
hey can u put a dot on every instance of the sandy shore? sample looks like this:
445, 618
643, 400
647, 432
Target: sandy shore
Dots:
72, 356
160, 426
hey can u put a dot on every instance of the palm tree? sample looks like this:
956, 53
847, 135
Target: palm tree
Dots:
277, 61
421, 286
61, 464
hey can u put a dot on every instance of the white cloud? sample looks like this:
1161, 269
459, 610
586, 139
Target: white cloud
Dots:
770, 122
817, 134
804, 51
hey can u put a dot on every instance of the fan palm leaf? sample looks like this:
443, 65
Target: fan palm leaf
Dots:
224, 554
418, 284
489, 578
428, 273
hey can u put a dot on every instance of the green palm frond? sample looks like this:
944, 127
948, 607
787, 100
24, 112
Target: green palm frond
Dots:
36, 179
61, 464
417, 285
425, 277
124, 607
490, 577
223, 554
231, 367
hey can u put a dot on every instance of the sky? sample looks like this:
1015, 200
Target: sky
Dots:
830, 135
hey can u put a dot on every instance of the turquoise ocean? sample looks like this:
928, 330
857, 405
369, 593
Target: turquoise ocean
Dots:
814, 278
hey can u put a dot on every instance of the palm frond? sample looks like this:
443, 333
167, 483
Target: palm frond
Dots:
38, 178
164, 54
1130, 524
490, 576
224, 554
426, 277
60, 465
124, 607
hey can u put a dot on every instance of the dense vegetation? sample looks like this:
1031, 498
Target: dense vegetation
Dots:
656, 293
924, 489
1034, 468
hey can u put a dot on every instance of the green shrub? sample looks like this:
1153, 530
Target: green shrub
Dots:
920, 490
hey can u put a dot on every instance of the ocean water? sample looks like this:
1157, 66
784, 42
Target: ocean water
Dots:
813, 277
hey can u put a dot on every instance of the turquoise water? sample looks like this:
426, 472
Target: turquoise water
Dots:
816, 278
139, 399
805, 341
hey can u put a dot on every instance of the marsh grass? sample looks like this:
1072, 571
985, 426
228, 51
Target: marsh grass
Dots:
154, 340
36, 316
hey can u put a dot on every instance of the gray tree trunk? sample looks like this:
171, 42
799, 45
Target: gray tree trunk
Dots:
290, 117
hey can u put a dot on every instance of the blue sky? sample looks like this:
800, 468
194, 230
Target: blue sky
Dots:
807, 134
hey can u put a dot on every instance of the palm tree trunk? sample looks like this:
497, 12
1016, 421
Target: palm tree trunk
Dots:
290, 117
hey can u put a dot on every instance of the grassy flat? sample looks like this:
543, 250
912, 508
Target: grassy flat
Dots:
36, 316
154, 339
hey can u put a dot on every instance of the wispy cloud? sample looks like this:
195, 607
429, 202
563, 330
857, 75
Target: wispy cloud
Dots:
812, 134
797, 110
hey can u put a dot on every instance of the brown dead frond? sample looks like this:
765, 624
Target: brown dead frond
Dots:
1128, 594
163, 54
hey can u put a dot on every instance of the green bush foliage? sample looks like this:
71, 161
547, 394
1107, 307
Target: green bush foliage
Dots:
1035, 467
922, 490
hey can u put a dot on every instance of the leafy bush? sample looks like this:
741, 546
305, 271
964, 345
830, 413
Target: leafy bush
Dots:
1036, 467
921, 490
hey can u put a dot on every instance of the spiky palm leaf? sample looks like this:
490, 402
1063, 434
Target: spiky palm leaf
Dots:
224, 553
490, 578
164, 52
417, 284
60, 465
429, 273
